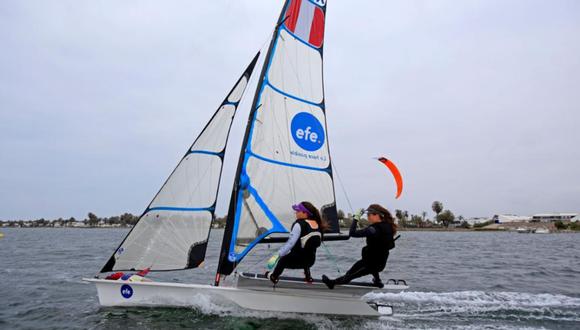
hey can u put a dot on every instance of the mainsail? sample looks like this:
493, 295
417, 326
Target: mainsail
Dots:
285, 155
173, 231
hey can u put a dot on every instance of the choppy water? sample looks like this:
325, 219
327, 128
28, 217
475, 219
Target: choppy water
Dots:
458, 280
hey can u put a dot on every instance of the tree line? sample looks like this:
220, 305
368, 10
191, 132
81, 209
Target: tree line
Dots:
443, 218
92, 220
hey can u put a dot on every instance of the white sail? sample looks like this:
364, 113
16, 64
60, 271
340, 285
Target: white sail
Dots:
285, 157
172, 233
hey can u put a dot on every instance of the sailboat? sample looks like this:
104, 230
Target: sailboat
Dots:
284, 159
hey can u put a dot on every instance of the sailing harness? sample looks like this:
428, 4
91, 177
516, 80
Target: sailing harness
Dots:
310, 239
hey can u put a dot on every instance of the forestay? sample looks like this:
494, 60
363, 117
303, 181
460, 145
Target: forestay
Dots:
285, 155
173, 231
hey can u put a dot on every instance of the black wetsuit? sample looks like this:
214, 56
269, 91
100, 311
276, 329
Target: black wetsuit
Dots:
374, 255
301, 257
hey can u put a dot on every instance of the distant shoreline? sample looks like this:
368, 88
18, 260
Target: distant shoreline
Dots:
344, 230
128, 220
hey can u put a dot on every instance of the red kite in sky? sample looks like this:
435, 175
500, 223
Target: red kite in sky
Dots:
396, 174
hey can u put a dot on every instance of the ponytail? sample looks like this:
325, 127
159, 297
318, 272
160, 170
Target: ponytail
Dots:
315, 215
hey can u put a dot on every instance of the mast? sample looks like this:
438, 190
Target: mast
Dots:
285, 156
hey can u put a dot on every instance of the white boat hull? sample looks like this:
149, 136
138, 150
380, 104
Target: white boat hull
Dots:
124, 293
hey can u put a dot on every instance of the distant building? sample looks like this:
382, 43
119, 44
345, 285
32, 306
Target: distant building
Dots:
551, 217
506, 218
576, 218
476, 220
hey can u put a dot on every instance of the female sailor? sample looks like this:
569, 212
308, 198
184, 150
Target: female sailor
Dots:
299, 252
379, 236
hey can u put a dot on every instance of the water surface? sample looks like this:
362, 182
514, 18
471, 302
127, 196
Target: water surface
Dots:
458, 280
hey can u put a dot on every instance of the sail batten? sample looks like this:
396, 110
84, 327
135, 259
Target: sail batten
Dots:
173, 231
285, 156
191, 209
269, 84
207, 152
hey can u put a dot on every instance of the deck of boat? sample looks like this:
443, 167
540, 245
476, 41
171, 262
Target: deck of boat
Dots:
287, 283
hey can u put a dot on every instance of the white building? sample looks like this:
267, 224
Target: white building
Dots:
476, 220
551, 217
505, 218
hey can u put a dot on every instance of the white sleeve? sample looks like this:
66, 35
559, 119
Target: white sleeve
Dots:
294, 236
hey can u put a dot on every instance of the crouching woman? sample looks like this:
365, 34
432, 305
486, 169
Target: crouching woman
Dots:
379, 238
299, 252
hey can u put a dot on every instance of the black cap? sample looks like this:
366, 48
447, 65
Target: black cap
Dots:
376, 208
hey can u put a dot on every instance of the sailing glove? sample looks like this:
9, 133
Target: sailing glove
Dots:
358, 214
273, 261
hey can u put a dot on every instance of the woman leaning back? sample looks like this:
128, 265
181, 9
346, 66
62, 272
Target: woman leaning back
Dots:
379, 236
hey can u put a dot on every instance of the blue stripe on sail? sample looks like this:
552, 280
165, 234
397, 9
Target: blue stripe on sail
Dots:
292, 96
205, 152
235, 104
180, 209
287, 164
276, 228
298, 38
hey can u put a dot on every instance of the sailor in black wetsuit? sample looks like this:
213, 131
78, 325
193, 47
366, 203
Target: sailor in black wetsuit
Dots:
299, 252
379, 236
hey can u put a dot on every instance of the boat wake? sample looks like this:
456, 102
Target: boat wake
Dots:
210, 306
489, 305
432, 305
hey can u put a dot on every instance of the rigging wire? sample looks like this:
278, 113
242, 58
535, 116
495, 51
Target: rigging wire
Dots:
335, 170
331, 257
263, 259
328, 252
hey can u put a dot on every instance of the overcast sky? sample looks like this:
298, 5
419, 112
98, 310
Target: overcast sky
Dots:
477, 102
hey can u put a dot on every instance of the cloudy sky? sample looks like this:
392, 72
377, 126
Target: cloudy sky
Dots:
477, 102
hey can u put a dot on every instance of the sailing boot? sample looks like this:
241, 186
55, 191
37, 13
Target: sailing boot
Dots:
329, 283
274, 279
344, 279
307, 276
377, 281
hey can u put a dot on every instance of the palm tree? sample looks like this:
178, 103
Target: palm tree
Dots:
437, 207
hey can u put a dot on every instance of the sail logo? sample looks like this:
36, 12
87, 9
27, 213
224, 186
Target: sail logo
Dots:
307, 131
126, 291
